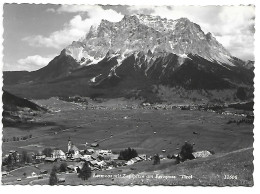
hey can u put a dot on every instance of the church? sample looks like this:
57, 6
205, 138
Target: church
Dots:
73, 151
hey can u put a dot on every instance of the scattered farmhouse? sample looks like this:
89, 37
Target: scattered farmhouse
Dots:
91, 150
43, 171
4, 173
201, 154
40, 157
34, 174
50, 159
94, 145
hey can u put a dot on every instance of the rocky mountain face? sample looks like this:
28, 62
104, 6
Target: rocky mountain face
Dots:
140, 51
250, 64
149, 34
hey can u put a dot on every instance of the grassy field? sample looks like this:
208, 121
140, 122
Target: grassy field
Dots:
119, 129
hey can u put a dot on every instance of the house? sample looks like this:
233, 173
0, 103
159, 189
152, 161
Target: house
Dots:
138, 159
76, 157
134, 160
120, 162
94, 145
86, 152
80, 165
93, 162
161, 156
49, 159
40, 157
104, 152
43, 172
201, 154
61, 180
94, 156
76, 166
40, 177
130, 162
114, 156
86, 157
101, 163
72, 168
4, 173
106, 157
143, 156
59, 154
91, 150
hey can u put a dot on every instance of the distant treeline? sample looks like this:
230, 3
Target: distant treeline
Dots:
249, 106
17, 138
76, 99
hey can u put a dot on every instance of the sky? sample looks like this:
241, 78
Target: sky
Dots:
35, 34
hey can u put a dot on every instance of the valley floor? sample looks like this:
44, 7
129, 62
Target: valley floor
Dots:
149, 132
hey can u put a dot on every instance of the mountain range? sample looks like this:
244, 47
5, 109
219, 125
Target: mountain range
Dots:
128, 58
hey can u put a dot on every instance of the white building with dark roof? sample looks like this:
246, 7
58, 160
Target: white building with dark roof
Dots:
59, 154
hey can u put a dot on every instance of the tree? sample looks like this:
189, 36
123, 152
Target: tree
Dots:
15, 157
127, 154
186, 152
24, 157
47, 152
53, 180
156, 159
28, 159
63, 167
10, 161
54, 168
85, 172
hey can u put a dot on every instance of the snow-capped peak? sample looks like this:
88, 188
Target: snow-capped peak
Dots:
136, 33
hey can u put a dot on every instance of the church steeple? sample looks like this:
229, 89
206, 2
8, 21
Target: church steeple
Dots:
69, 144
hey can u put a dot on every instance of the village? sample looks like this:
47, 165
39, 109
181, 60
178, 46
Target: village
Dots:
72, 159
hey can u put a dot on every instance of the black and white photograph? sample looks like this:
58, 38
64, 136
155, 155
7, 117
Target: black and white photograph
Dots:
127, 95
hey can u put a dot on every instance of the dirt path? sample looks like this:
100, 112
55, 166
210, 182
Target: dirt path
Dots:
235, 151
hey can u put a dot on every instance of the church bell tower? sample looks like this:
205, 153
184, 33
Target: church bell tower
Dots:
69, 144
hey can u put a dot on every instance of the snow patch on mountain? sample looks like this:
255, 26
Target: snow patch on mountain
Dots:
93, 80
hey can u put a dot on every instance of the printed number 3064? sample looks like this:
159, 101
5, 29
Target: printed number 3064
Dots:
230, 177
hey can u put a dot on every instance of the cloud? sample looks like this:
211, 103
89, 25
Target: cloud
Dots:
240, 45
30, 63
76, 28
233, 26
17, 67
